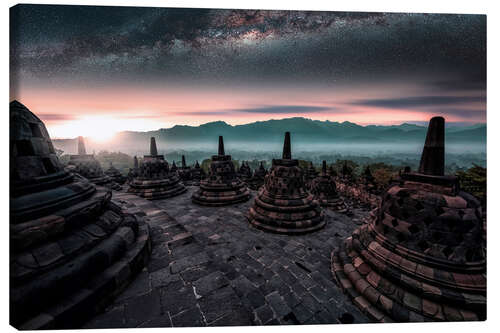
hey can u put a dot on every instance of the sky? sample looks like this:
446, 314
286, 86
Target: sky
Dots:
93, 71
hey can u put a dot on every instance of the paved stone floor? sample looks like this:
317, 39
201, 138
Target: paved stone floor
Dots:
209, 267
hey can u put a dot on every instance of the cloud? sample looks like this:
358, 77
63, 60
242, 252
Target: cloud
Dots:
287, 109
55, 117
463, 113
266, 109
468, 80
420, 101
202, 113
459, 85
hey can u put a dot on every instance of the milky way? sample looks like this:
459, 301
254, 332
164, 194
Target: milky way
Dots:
72, 45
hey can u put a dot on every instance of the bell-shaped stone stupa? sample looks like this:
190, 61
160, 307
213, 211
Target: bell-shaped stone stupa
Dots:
222, 187
72, 248
87, 166
115, 174
154, 180
421, 257
258, 178
283, 204
325, 192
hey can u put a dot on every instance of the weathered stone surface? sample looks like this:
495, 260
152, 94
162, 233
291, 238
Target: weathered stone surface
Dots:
233, 274
258, 178
325, 191
283, 204
88, 167
222, 187
115, 174
153, 178
421, 257
73, 248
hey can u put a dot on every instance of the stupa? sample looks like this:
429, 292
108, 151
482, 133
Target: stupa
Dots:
324, 190
244, 173
367, 175
185, 172
197, 174
154, 179
421, 257
283, 204
87, 166
72, 248
174, 167
332, 172
115, 174
222, 187
347, 175
310, 174
258, 178
132, 173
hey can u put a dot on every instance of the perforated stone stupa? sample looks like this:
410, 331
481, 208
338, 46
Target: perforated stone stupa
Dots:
325, 192
132, 173
87, 166
245, 173
421, 257
283, 204
197, 174
154, 180
72, 248
185, 172
310, 174
258, 178
115, 174
222, 186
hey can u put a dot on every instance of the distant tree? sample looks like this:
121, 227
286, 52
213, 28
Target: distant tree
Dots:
348, 166
474, 181
205, 165
303, 164
121, 161
382, 176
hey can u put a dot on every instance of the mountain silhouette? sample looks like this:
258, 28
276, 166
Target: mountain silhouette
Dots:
303, 130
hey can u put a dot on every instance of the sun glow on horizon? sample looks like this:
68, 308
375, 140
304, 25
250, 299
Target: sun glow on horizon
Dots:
100, 128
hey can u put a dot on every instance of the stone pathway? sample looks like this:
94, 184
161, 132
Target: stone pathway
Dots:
209, 267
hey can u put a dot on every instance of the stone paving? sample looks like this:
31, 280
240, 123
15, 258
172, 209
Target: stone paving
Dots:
209, 267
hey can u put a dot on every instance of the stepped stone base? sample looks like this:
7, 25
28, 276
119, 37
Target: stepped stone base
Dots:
294, 216
336, 204
156, 189
387, 294
216, 195
80, 272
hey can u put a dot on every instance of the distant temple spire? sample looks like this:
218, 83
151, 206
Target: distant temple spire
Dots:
432, 161
323, 167
287, 149
152, 148
221, 146
81, 146
183, 165
136, 163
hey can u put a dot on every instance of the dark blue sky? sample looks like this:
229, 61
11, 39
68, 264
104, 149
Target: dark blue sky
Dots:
388, 60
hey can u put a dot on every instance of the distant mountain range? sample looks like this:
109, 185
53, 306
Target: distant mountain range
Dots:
303, 130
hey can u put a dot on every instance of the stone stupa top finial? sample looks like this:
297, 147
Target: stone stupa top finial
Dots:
287, 148
152, 147
221, 146
432, 160
81, 146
